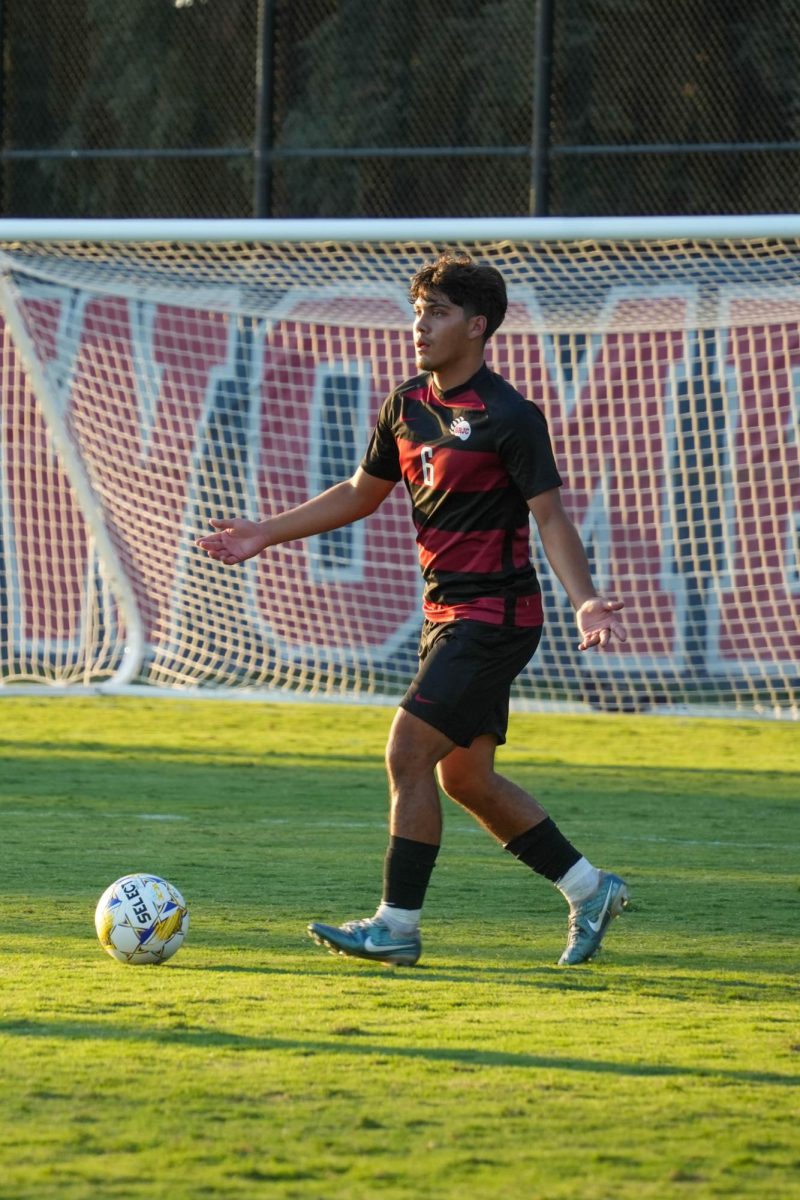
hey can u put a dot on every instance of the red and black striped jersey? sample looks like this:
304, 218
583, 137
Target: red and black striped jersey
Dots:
470, 459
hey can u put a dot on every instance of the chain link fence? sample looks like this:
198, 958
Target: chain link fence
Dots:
232, 108
686, 107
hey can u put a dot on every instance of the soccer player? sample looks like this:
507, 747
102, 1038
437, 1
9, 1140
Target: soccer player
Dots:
476, 459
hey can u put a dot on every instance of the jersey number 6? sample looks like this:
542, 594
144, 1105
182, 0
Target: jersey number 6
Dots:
426, 454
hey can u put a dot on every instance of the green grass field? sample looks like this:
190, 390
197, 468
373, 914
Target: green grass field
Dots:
256, 1065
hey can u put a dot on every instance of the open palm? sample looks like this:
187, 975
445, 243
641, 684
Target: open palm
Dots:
234, 541
599, 623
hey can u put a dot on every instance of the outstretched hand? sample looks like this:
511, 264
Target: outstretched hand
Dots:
234, 541
599, 623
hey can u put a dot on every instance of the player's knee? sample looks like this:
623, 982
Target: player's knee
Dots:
413, 748
464, 786
406, 759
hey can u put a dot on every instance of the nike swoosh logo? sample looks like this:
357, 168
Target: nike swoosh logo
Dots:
597, 925
373, 949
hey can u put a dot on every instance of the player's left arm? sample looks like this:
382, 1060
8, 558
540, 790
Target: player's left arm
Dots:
597, 616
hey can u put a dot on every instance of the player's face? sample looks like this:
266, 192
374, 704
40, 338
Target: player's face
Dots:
444, 335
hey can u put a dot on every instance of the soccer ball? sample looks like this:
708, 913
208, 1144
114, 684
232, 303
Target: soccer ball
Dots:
141, 919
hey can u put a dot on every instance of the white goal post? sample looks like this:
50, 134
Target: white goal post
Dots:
157, 373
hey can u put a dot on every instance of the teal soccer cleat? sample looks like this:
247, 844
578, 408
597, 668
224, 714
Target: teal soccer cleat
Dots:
589, 920
370, 938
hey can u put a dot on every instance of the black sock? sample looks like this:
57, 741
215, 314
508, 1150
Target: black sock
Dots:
407, 871
545, 850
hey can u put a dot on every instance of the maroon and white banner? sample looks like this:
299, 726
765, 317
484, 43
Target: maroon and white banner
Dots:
680, 452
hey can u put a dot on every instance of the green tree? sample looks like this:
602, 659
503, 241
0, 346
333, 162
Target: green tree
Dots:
149, 75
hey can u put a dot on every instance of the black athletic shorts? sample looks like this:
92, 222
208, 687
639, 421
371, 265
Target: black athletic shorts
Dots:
466, 669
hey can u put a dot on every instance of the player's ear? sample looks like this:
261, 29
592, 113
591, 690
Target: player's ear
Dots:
477, 326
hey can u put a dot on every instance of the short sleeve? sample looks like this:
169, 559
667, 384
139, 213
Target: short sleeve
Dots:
526, 451
382, 458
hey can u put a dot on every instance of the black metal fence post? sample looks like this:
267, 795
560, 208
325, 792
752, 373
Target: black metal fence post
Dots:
2, 105
542, 90
262, 143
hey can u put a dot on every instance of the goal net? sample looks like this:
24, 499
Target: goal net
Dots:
156, 375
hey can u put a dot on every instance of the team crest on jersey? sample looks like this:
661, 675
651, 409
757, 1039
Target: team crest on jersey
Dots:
460, 428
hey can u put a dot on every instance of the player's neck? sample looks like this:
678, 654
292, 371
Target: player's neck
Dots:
459, 373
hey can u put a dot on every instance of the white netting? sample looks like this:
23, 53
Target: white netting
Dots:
148, 387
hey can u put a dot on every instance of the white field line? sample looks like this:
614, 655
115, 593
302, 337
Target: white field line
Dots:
335, 824
644, 838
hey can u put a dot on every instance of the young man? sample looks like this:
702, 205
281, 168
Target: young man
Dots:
476, 460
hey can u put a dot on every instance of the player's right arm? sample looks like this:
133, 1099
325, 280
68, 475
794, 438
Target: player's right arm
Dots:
238, 539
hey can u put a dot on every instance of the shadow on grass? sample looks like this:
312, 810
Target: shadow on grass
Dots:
43, 755
208, 754
349, 1042
688, 987
424, 974
704, 977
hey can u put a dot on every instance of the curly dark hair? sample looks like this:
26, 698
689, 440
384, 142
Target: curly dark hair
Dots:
476, 287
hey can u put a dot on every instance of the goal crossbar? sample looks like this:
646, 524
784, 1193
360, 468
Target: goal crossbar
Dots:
444, 230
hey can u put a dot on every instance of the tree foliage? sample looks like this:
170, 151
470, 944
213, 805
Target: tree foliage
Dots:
424, 109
